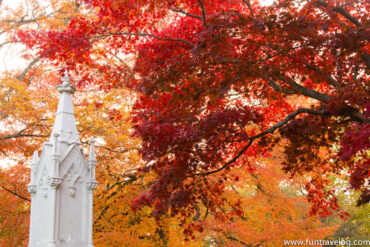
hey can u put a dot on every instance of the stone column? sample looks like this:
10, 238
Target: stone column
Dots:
32, 187
54, 181
32, 190
91, 186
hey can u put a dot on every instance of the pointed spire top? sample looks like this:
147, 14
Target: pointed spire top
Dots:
65, 122
65, 86
92, 156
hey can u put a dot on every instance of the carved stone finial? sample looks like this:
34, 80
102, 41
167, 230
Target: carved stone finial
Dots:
66, 86
66, 78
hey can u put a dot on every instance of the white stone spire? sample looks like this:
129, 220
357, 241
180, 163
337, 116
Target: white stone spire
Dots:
65, 122
62, 183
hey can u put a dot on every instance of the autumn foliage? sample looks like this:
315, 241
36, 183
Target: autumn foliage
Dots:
239, 114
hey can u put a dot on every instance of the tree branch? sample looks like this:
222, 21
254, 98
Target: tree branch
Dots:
268, 131
354, 114
178, 10
341, 11
112, 150
23, 21
8, 42
16, 194
344, 13
306, 91
147, 35
203, 12
277, 87
20, 134
120, 184
117, 151
237, 240
28, 68
328, 78
249, 6
228, 236
366, 58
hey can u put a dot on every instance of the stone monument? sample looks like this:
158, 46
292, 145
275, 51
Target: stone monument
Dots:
62, 183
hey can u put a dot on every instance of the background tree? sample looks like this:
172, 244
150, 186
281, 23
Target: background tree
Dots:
14, 207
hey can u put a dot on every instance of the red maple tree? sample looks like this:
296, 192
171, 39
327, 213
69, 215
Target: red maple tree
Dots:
215, 79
